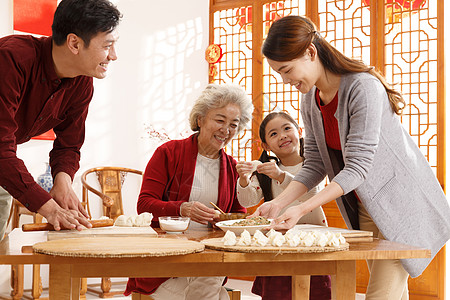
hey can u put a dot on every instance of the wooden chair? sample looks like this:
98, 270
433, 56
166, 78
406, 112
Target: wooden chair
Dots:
17, 271
111, 180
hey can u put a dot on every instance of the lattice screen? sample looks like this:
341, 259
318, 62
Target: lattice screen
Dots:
277, 95
411, 63
410, 57
232, 31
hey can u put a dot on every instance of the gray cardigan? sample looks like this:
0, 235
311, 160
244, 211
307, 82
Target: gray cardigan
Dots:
381, 163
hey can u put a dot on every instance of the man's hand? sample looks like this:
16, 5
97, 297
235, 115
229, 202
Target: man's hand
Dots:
62, 192
62, 218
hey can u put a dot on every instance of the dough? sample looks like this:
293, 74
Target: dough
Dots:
124, 221
142, 220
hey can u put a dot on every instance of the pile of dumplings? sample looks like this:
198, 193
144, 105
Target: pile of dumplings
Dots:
141, 220
292, 238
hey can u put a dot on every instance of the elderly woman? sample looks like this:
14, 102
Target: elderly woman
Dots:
183, 176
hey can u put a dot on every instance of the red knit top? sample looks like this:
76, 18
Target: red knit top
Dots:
330, 123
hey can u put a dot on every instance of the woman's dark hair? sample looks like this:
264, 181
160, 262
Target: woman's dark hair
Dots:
85, 18
265, 182
289, 37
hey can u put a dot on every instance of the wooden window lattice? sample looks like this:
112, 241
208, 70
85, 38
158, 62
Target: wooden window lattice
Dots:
410, 59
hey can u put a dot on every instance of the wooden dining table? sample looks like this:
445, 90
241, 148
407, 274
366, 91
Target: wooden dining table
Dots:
65, 273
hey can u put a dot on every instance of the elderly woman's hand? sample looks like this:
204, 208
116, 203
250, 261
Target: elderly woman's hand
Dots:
198, 212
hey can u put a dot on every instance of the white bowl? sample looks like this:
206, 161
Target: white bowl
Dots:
174, 224
228, 225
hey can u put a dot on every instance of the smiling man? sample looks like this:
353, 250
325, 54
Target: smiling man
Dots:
47, 83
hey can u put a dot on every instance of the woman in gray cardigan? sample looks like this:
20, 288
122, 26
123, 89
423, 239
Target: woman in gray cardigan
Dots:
378, 175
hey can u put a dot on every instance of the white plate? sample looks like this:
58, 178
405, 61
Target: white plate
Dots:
228, 225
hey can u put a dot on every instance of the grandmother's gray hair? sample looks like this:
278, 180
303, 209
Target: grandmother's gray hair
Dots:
218, 96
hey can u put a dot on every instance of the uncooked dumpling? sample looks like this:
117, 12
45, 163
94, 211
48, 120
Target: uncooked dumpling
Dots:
255, 164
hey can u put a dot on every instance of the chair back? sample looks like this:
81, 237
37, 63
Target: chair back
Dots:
111, 180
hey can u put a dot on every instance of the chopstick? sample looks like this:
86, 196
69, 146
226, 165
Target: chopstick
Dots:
221, 211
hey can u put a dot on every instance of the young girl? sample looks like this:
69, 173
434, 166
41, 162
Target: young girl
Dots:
379, 177
279, 133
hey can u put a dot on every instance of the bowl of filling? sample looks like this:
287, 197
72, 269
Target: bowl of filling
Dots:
239, 225
174, 224
232, 216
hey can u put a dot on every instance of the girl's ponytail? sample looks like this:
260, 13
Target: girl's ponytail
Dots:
265, 182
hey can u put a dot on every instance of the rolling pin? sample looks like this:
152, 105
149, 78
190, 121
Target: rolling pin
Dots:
48, 226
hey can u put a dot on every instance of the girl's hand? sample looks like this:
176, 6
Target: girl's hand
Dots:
198, 212
287, 220
244, 168
272, 170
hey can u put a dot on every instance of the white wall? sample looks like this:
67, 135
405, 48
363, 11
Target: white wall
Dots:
159, 73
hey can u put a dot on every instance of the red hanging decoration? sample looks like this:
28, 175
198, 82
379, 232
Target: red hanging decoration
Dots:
213, 53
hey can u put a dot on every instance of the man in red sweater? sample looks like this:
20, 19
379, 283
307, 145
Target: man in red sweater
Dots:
47, 83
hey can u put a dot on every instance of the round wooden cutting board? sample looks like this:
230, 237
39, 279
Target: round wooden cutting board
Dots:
217, 244
118, 247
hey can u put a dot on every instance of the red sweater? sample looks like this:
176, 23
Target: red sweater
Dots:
330, 123
34, 100
167, 183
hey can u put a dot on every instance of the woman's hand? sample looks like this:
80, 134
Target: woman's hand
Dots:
243, 168
289, 219
272, 170
269, 210
198, 212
